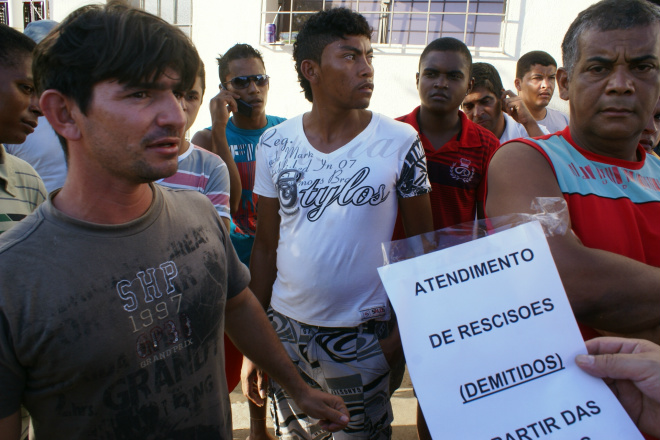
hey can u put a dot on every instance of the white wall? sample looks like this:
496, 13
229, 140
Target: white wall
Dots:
59, 9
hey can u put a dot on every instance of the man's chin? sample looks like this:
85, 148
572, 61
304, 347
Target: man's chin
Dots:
154, 174
14, 138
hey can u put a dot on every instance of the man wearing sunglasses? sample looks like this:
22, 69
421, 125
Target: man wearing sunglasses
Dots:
330, 183
244, 92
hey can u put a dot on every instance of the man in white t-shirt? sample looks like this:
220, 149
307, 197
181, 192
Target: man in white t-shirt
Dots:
330, 182
536, 74
497, 110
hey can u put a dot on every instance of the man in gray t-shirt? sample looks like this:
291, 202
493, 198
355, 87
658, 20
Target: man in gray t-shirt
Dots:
115, 293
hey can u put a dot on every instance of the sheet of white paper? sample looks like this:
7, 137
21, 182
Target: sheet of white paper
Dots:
490, 342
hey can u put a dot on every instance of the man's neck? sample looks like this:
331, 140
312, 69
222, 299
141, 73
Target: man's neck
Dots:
538, 112
439, 128
87, 196
501, 126
623, 149
249, 123
328, 131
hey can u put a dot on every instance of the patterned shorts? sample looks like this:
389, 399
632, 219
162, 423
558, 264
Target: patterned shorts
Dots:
347, 362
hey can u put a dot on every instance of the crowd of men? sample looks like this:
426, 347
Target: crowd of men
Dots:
127, 309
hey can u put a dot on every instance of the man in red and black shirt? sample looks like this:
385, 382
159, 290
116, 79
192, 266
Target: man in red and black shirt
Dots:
456, 149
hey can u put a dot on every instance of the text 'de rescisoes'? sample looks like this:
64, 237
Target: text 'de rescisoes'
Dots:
510, 378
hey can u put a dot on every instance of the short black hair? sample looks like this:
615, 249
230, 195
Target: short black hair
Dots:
487, 77
14, 46
98, 43
321, 29
447, 44
236, 52
606, 15
526, 62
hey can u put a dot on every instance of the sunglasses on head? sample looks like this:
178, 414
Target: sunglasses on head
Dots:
243, 82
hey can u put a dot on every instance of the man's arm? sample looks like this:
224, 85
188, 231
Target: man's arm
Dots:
10, 427
216, 142
263, 271
607, 291
249, 329
263, 261
416, 214
417, 218
203, 139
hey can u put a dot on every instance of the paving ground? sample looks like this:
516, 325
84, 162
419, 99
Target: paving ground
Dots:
404, 405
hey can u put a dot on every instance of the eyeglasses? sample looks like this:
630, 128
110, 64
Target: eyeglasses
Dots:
243, 82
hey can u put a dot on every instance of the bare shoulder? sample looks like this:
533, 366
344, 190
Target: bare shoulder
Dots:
202, 139
517, 174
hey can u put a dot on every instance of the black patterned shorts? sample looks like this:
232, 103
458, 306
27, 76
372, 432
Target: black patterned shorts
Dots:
347, 362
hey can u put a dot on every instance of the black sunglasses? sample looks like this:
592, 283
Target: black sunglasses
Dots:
243, 82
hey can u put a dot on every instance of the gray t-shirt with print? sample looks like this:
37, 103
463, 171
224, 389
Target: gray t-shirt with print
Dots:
116, 331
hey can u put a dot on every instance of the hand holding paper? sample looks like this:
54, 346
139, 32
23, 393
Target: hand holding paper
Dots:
632, 369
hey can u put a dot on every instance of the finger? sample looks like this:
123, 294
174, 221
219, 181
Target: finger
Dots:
615, 366
510, 94
336, 417
262, 385
253, 395
605, 345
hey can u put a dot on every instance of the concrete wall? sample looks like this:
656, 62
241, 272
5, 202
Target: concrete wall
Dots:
219, 24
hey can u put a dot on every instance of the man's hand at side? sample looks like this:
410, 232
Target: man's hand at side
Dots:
254, 382
328, 409
249, 329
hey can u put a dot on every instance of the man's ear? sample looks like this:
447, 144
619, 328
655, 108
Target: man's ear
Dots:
310, 70
516, 82
417, 80
59, 109
562, 83
470, 86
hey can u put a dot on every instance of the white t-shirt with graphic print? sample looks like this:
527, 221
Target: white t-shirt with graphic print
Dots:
336, 209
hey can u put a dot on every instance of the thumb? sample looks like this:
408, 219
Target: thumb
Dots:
613, 366
335, 416
262, 384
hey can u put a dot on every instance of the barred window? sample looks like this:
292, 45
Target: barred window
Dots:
33, 11
478, 23
4, 12
176, 12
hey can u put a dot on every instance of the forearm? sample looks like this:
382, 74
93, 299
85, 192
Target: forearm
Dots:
263, 271
263, 261
250, 330
606, 290
532, 128
220, 147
